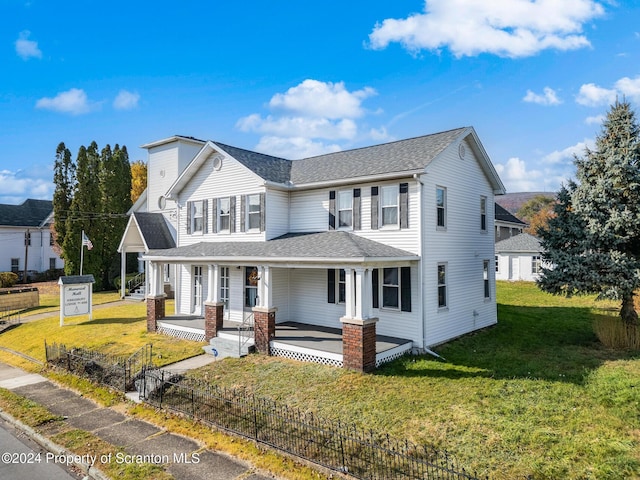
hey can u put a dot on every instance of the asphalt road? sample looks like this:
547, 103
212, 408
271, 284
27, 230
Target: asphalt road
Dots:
22, 459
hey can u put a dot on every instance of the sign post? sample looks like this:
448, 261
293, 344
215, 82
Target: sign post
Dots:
76, 296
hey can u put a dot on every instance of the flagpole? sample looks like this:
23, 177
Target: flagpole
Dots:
81, 251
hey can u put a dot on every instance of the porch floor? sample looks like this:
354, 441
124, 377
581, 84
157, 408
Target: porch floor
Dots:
306, 340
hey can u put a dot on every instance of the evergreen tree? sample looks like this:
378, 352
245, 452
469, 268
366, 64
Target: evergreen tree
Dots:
593, 242
82, 216
64, 181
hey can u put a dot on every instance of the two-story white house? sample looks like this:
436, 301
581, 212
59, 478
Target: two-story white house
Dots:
380, 250
26, 238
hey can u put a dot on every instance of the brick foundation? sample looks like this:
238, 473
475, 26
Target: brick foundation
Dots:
359, 344
213, 316
264, 328
155, 311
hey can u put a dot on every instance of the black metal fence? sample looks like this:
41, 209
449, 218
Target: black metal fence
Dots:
118, 372
337, 446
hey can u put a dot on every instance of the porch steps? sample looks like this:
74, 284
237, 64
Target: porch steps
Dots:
226, 347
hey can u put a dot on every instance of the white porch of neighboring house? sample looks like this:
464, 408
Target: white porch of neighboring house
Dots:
351, 341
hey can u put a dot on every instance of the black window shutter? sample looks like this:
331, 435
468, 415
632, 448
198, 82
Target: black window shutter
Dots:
189, 208
214, 215
332, 210
404, 205
205, 216
405, 289
262, 212
375, 288
331, 285
357, 222
232, 214
374, 208
243, 213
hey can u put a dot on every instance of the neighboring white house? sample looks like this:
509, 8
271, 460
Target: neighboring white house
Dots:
519, 258
399, 236
25, 236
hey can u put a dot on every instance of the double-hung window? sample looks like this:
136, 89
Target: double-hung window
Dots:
536, 264
390, 288
253, 212
441, 207
224, 215
15, 265
442, 285
197, 217
345, 209
390, 205
483, 214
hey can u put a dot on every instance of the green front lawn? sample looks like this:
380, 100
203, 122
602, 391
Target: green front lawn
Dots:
535, 395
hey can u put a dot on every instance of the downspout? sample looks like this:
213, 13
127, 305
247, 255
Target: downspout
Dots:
420, 185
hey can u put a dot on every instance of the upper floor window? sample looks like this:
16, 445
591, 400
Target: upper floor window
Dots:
345, 209
197, 217
390, 205
253, 212
27, 238
483, 214
441, 207
52, 240
224, 214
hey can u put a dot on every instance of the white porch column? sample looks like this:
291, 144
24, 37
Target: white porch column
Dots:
213, 283
266, 296
359, 293
349, 294
123, 272
151, 278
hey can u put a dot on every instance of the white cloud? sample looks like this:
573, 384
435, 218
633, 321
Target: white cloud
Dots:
26, 48
126, 100
548, 97
308, 116
594, 120
517, 178
322, 99
567, 155
592, 95
15, 187
514, 28
73, 101
294, 147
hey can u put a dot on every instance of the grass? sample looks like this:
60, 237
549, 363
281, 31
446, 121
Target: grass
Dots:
119, 330
537, 395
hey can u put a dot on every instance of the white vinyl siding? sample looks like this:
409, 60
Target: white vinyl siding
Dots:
462, 246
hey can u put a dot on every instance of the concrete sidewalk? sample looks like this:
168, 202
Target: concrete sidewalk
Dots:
181, 457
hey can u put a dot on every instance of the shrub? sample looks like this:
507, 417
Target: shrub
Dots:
8, 279
614, 333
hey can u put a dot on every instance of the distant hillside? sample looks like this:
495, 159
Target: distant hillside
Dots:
513, 201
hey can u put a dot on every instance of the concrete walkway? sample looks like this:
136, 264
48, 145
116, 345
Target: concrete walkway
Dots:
182, 457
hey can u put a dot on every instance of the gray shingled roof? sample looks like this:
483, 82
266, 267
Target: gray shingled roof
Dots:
31, 213
401, 156
154, 230
504, 215
303, 246
522, 243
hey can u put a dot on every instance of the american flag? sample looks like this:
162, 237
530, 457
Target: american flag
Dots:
86, 242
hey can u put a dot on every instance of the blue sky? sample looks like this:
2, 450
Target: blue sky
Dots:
295, 79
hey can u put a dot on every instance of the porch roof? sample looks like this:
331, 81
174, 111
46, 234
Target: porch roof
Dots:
319, 247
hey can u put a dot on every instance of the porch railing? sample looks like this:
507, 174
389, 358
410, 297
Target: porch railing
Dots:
245, 332
135, 282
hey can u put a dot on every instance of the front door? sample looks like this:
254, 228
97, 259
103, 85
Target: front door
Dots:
224, 289
514, 270
250, 288
196, 305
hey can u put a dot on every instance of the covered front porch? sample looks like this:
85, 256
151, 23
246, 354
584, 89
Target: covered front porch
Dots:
328, 307
294, 340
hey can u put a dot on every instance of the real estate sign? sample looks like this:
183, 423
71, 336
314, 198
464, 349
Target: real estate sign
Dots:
75, 296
